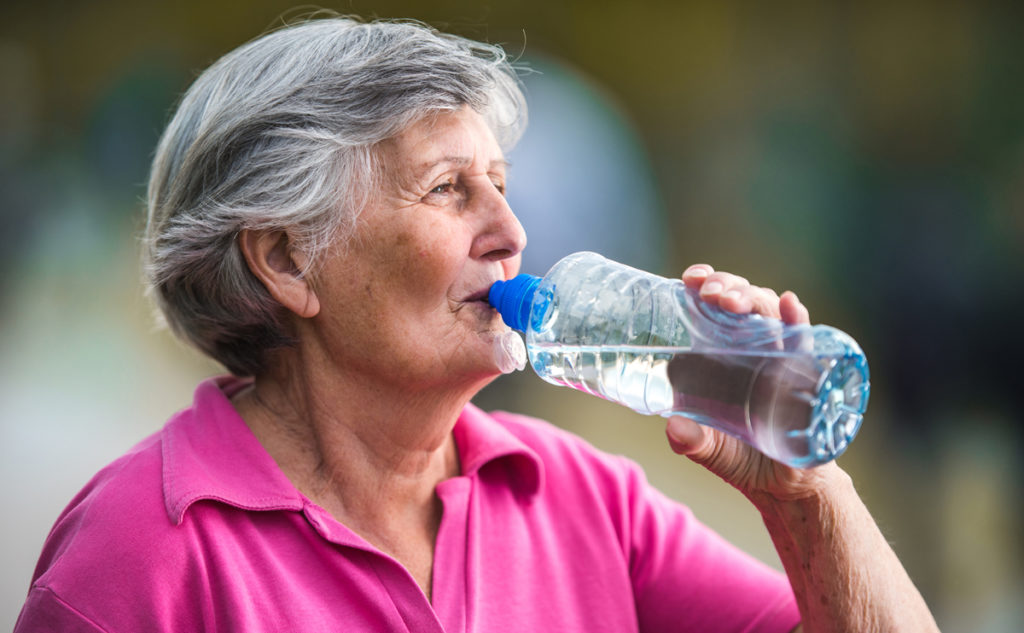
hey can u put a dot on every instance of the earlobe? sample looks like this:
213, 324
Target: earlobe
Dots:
270, 257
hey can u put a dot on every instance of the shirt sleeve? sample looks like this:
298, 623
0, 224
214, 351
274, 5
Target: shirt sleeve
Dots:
683, 572
45, 612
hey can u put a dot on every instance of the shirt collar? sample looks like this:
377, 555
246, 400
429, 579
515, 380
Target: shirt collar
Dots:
209, 452
484, 444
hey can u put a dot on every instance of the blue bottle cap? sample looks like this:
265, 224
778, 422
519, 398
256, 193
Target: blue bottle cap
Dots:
513, 298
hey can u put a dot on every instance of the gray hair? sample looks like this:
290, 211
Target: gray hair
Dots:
280, 134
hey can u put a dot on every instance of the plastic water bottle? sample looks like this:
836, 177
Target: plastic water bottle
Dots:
797, 393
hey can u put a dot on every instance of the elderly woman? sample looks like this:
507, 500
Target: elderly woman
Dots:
326, 212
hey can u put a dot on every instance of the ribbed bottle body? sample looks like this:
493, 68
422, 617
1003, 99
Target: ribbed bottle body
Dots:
797, 393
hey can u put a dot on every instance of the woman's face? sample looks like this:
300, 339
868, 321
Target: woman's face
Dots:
404, 300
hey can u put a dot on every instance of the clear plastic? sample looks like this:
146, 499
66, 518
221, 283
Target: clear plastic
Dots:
797, 393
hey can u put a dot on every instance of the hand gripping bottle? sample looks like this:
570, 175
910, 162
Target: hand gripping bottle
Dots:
797, 393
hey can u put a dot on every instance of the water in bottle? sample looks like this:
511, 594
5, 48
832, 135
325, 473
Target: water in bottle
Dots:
797, 393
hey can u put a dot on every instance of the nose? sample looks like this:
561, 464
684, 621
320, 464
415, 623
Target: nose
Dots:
500, 234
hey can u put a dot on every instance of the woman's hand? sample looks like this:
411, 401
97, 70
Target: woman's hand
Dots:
843, 573
758, 477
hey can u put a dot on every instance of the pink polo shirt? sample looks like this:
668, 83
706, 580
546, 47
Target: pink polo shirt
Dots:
196, 529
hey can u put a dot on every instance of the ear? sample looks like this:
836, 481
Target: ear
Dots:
273, 261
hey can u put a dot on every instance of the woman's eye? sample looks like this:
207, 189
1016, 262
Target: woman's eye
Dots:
442, 188
500, 186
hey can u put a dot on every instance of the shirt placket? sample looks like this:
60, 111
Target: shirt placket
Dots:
408, 602
449, 575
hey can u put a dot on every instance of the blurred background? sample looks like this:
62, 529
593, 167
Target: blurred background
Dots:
869, 156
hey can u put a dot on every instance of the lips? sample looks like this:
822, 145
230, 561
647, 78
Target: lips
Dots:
479, 294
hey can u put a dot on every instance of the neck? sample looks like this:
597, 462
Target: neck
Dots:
370, 453
353, 448
372, 456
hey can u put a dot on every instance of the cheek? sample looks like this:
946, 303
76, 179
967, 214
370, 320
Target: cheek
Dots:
428, 262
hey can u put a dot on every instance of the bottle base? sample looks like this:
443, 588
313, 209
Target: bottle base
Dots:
837, 412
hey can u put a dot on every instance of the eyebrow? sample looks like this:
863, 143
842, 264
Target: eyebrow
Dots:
458, 161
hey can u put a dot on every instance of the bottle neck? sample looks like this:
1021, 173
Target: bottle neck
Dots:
513, 298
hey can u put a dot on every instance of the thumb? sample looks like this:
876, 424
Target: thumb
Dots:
686, 437
734, 461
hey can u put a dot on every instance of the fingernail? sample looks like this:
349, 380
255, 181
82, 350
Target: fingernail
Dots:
697, 272
732, 294
711, 288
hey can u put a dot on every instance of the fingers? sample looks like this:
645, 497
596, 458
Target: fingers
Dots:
695, 275
728, 291
731, 292
720, 287
736, 294
791, 310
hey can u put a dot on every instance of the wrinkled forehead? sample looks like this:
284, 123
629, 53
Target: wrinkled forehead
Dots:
459, 138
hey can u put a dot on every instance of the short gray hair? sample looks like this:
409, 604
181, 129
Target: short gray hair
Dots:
280, 134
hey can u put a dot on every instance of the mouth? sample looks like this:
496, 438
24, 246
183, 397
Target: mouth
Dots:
478, 300
479, 295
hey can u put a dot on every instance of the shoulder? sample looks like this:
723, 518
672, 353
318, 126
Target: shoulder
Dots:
113, 543
119, 499
679, 569
122, 499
